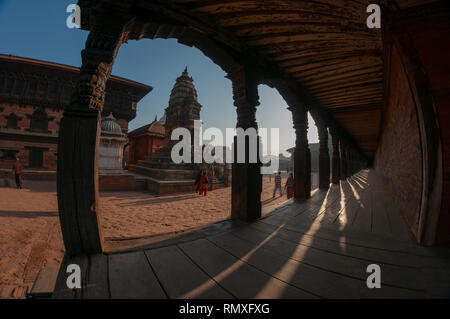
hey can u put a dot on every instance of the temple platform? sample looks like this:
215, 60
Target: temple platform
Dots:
318, 248
113, 180
168, 180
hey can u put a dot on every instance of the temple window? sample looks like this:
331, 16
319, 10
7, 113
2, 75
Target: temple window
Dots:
8, 155
39, 121
12, 121
36, 157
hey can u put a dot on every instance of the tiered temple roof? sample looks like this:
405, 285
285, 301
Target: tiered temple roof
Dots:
183, 90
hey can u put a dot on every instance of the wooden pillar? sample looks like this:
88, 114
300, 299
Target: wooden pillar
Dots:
354, 162
343, 157
349, 161
324, 156
77, 179
336, 158
246, 186
302, 154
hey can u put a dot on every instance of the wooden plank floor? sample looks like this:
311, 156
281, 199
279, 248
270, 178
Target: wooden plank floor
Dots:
319, 248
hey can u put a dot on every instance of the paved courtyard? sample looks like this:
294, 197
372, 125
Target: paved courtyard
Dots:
30, 236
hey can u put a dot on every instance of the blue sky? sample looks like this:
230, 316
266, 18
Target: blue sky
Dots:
37, 29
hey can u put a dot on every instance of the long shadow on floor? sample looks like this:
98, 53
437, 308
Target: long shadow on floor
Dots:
27, 214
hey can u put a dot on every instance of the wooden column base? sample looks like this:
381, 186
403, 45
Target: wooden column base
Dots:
335, 169
302, 173
324, 170
77, 183
343, 171
246, 191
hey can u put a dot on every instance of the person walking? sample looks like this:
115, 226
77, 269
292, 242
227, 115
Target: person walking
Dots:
277, 184
17, 172
290, 186
204, 184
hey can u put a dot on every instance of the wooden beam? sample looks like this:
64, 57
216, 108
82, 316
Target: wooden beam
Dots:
338, 74
337, 65
356, 102
357, 109
321, 48
249, 30
310, 37
366, 80
291, 58
338, 8
353, 75
352, 99
356, 88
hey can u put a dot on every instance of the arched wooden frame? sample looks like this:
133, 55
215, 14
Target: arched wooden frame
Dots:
77, 173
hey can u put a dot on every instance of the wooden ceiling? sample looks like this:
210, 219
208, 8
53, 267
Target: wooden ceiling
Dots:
323, 45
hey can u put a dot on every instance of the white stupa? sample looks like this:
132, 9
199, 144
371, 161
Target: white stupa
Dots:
112, 141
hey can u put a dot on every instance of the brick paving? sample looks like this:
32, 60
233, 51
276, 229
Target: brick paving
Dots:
30, 235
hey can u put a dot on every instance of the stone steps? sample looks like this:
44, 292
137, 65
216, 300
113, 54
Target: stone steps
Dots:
164, 174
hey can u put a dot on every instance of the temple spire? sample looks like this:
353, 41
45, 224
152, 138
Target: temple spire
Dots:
183, 89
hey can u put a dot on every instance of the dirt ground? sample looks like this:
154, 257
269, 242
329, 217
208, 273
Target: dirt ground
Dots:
30, 235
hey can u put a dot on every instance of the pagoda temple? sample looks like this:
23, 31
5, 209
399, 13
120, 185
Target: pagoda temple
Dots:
163, 175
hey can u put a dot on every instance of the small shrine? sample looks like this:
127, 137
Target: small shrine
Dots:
112, 142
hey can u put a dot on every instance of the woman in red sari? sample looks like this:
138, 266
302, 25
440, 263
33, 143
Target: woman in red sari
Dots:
290, 186
204, 184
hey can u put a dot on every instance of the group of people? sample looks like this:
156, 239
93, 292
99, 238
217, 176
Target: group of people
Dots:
202, 183
288, 187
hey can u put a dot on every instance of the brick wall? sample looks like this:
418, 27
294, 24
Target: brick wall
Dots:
399, 154
117, 183
24, 112
431, 39
49, 157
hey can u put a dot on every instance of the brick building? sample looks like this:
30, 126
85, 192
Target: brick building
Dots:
145, 140
33, 95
